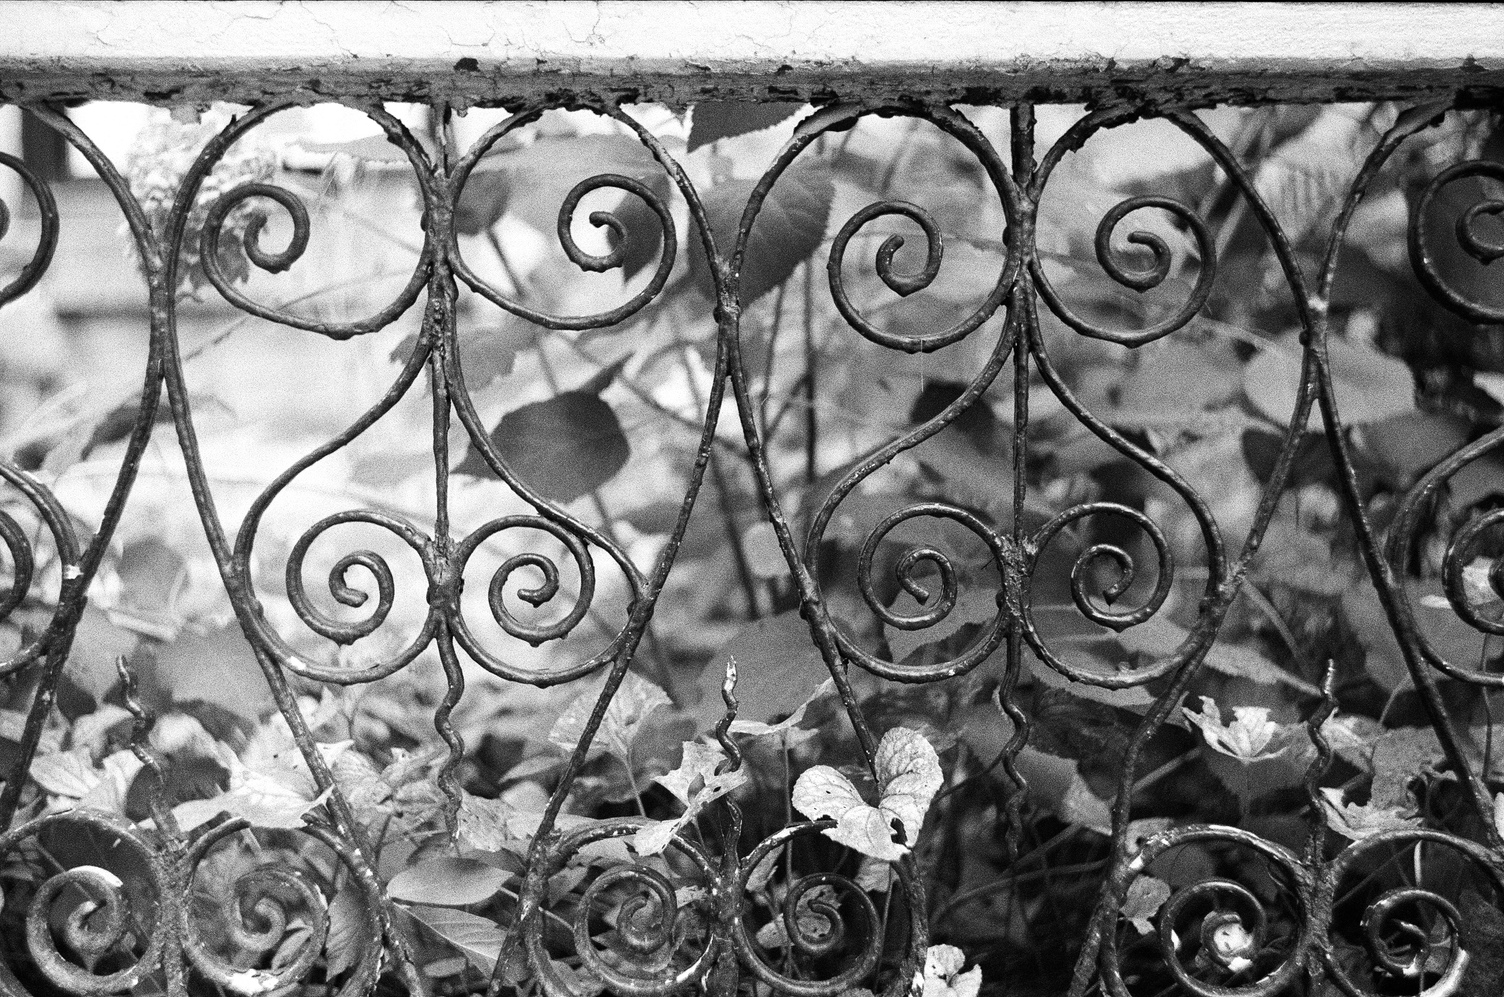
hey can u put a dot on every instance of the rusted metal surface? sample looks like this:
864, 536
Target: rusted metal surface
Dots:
81, 915
676, 53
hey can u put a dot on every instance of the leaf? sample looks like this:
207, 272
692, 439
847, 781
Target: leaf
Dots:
787, 230
490, 353
349, 928
370, 149
1145, 897
908, 776
215, 666
1370, 385
71, 778
1407, 445
756, 728
1159, 637
1253, 755
270, 783
1057, 785
778, 667
635, 699
943, 976
1359, 821
477, 938
97, 645
695, 783
975, 605
564, 447
712, 120
1449, 636
448, 881
1251, 735
68, 774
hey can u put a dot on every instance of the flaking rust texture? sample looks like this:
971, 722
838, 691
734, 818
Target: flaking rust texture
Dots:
1165, 85
676, 53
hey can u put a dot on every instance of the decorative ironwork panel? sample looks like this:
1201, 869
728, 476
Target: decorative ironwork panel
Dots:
253, 888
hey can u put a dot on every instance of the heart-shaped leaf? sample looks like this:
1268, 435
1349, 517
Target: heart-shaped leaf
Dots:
787, 229
565, 447
908, 776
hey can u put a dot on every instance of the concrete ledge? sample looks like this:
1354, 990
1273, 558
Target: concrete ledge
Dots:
678, 51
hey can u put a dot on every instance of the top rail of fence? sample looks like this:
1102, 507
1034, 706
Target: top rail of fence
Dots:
677, 52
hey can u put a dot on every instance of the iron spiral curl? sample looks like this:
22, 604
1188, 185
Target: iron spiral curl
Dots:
263, 905
611, 260
1140, 280
1234, 926
906, 572
836, 119
41, 257
23, 556
258, 912
280, 260
860, 944
347, 595
900, 283
650, 923
1479, 247
23, 563
1127, 572
101, 919
1383, 914
548, 588
1409, 520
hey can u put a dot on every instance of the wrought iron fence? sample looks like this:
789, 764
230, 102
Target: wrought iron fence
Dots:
681, 922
